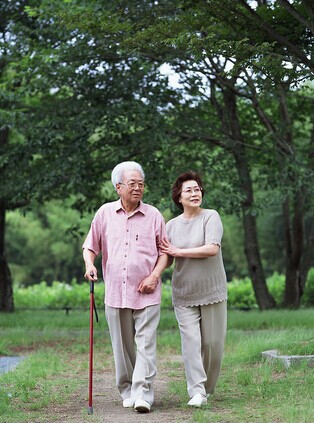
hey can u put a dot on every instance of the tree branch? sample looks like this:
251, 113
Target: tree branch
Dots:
277, 37
283, 146
307, 23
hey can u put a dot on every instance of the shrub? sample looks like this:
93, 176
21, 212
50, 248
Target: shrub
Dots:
59, 295
308, 297
276, 286
241, 294
74, 295
166, 295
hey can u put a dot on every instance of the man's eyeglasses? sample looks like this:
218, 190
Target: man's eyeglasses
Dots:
190, 191
133, 185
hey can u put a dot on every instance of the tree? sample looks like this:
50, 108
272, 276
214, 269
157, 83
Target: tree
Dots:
35, 136
88, 80
269, 50
52, 234
71, 109
7, 100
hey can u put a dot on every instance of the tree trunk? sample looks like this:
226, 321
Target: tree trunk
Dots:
6, 288
294, 241
256, 271
307, 260
293, 216
251, 246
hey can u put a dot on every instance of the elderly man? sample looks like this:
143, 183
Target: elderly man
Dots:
127, 233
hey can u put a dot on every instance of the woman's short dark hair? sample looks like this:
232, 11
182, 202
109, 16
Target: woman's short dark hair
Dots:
177, 186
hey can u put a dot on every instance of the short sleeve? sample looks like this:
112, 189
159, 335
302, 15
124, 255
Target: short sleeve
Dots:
161, 232
93, 239
213, 229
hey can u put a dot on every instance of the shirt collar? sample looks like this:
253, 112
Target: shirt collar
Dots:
140, 208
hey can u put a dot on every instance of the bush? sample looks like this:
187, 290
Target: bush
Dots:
166, 295
308, 297
241, 294
59, 295
276, 286
74, 295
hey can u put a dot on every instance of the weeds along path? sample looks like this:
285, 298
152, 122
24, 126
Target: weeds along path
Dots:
107, 404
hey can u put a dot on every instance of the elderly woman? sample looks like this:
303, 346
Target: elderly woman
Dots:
199, 289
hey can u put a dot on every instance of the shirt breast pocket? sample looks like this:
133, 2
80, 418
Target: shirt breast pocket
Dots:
145, 244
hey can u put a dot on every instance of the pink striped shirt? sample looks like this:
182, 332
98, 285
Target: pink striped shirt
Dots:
128, 244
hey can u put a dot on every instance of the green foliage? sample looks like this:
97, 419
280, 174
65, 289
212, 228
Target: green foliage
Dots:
308, 296
166, 295
241, 294
58, 295
76, 295
62, 295
52, 236
276, 286
82, 90
234, 257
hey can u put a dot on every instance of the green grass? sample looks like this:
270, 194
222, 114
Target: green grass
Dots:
249, 390
276, 319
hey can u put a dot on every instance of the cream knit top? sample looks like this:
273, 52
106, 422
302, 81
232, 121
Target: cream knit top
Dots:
197, 281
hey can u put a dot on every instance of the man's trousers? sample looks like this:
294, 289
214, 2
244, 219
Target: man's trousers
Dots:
133, 339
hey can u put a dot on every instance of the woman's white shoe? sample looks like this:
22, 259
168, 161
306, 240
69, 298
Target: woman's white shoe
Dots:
197, 400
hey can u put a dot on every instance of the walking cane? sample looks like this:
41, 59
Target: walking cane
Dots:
92, 308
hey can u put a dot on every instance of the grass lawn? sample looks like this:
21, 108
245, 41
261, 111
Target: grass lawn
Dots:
56, 348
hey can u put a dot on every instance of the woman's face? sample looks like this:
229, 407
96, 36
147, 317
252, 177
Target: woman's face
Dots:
191, 195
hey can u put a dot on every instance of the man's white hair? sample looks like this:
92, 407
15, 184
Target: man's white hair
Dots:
118, 171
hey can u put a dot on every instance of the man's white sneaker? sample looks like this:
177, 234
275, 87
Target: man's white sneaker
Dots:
141, 406
198, 400
128, 403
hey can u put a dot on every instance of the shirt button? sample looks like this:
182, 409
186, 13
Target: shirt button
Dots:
126, 243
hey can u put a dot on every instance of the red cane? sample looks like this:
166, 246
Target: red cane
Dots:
92, 308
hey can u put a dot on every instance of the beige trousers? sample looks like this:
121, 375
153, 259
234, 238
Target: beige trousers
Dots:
133, 339
203, 331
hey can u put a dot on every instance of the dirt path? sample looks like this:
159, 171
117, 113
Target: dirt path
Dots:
107, 405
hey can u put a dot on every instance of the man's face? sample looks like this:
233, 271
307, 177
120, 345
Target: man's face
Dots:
131, 188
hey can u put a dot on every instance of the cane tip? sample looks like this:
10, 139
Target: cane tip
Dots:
90, 410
